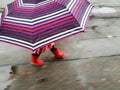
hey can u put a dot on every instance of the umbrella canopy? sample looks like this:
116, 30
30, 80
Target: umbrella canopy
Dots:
35, 23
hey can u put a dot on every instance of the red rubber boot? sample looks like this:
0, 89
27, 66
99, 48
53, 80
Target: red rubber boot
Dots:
57, 53
35, 60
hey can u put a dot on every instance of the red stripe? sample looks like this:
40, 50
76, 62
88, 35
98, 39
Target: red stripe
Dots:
75, 10
15, 27
40, 27
56, 22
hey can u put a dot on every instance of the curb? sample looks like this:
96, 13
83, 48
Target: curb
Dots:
106, 12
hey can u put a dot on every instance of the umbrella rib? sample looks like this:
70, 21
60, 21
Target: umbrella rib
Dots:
33, 5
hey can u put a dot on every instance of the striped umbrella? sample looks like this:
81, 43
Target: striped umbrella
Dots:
35, 23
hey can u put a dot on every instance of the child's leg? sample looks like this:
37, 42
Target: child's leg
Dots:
34, 58
57, 53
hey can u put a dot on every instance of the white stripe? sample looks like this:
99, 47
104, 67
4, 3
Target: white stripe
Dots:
6, 11
71, 4
21, 2
29, 4
47, 17
18, 3
15, 42
85, 17
57, 35
21, 41
36, 5
33, 5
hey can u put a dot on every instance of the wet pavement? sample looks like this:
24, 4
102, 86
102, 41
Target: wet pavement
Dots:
4, 77
85, 74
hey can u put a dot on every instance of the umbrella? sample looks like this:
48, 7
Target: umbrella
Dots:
36, 23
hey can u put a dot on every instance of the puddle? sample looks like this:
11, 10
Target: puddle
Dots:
5, 76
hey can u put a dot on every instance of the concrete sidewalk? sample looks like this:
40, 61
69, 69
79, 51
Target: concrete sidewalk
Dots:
83, 74
91, 61
106, 8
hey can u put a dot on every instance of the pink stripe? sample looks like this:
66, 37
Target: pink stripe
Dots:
76, 6
58, 1
21, 38
41, 29
7, 25
41, 25
53, 22
14, 24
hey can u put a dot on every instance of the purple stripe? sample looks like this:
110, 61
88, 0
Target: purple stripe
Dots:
33, 1
63, 2
21, 36
55, 31
10, 8
56, 21
82, 8
31, 15
80, 14
58, 25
